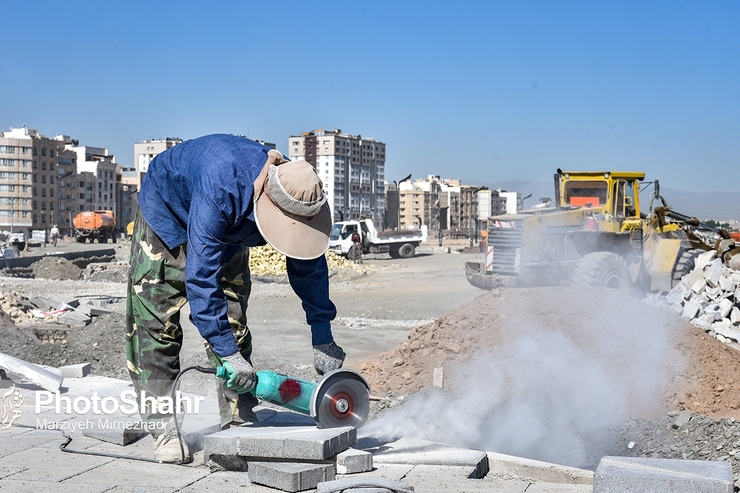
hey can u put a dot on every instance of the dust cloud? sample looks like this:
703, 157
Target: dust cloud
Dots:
551, 386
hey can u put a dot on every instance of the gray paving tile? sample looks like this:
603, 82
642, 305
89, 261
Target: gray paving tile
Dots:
137, 473
6, 471
443, 479
24, 486
17, 442
221, 482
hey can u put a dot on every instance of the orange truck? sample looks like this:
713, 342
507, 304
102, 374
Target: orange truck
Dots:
92, 225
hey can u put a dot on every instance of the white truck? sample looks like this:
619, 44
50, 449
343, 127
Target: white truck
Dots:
398, 244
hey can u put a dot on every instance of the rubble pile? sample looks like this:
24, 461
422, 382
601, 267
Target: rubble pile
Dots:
56, 268
682, 436
266, 261
16, 306
709, 296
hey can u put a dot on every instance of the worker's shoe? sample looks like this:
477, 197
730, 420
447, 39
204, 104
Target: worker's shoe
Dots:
167, 448
327, 357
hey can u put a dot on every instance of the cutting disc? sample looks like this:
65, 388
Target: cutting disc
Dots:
341, 399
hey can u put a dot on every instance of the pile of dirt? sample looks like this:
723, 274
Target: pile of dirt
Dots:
56, 268
699, 370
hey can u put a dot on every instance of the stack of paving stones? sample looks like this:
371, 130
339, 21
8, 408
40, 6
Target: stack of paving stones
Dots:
709, 296
286, 451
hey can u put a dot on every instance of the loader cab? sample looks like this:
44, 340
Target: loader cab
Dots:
613, 195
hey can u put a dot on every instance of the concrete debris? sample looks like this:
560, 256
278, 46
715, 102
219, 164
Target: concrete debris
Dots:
682, 419
28, 372
74, 318
438, 377
709, 297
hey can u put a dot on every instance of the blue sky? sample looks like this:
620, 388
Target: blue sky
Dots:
480, 90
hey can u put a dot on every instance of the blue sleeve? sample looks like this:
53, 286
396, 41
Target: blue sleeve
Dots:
207, 224
310, 281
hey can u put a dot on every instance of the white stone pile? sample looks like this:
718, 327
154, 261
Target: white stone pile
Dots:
709, 296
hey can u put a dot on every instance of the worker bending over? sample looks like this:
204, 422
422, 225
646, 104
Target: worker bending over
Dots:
208, 200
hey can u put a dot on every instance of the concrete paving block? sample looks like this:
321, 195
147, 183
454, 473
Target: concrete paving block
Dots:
353, 461
726, 329
365, 485
39, 302
690, 309
414, 451
725, 307
290, 476
281, 442
75, 371
58, 300
73, 318
702, 260
119, 431
92, 310
620, 474
699, 285
735, 315
727, 285
713, 272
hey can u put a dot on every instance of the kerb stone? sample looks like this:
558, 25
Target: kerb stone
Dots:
290, 476
75, 371
620, 474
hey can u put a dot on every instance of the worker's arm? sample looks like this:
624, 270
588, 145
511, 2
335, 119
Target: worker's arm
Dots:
207, 223
310, 281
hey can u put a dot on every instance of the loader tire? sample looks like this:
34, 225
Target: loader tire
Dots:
603, 270
407, 250
684, 264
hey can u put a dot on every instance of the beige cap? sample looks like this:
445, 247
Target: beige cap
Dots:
290, 208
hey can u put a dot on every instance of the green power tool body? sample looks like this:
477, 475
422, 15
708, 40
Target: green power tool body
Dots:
340, 398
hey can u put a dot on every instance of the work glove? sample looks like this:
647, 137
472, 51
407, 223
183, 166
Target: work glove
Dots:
327, 357
241, 375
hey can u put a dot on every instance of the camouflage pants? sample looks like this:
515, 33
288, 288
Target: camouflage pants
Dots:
155, 298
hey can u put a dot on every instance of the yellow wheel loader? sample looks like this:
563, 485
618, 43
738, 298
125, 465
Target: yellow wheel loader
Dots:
595, 234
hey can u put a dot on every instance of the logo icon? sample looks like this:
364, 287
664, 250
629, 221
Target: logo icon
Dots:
10, 402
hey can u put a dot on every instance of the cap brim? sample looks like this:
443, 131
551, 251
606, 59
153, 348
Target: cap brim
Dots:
294, 237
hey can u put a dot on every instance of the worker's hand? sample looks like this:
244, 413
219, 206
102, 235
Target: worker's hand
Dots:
242, 376
327, 357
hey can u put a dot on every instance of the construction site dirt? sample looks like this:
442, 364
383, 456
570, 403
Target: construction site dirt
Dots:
564, 375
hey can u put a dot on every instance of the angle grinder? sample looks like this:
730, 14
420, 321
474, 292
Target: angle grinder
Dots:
340, 398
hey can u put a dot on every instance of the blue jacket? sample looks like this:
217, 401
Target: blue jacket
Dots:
200, 192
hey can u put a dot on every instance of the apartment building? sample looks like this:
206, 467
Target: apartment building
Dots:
352, 169
144, 152
101, 165
35, 187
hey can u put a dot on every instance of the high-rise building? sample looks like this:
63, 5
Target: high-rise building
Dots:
352, 169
